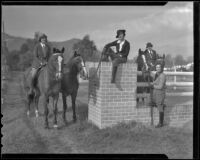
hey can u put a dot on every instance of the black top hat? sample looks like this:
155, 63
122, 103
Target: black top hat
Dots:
120, 31
149, 45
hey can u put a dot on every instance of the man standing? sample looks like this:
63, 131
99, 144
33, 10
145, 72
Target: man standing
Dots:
122, 51
150, 56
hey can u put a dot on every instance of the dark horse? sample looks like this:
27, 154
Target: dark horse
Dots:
146, 71
70, 83
48, 85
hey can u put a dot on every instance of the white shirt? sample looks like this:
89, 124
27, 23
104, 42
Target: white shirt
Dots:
43, 45
121, 43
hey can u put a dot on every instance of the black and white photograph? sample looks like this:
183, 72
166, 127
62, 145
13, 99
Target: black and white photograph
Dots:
98, 79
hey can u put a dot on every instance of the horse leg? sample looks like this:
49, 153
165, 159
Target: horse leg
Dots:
36, 104
64, 98
73, 97
46, 111
55, 110
29, 99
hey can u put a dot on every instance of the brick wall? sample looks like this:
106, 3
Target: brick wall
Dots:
109, 104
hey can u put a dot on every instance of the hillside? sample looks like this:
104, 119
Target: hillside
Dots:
14, 43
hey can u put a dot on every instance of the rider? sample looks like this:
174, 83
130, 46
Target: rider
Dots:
122, 51
41, 54
150, 56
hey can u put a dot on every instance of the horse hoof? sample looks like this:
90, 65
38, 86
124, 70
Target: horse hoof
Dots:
46, 127
36, 114
55, 126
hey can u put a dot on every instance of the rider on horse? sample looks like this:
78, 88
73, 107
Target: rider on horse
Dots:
149, 57
42, 52
122, 51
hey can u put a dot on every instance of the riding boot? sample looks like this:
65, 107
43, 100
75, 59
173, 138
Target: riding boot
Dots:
114, 71
161, 118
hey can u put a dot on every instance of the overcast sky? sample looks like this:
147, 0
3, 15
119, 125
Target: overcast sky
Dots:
169, 27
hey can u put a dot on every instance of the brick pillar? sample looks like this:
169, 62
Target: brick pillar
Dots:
110, 103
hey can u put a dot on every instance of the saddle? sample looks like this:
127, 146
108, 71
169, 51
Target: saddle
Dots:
35, 80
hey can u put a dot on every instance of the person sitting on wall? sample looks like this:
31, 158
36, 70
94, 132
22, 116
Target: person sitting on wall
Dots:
159, 87
122, 51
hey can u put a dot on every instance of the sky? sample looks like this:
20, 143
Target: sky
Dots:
169, 28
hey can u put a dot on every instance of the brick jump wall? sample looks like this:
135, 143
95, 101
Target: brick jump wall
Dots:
109, 104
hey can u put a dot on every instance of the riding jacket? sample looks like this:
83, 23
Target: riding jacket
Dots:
41, 55
122, 48
150, 57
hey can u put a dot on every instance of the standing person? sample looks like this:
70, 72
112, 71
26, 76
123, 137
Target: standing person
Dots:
159, 86
42, 53
149, 56
122, 51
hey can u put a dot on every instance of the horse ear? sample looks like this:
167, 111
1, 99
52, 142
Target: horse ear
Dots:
54, 50
75, 53
63, 49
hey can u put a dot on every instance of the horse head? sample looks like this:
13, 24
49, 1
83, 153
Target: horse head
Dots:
56, 62
80, 64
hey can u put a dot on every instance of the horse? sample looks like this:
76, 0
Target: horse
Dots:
47, 84
70, 83
146, 71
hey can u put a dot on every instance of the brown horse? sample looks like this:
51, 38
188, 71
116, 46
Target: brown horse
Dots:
70, 83
48, 85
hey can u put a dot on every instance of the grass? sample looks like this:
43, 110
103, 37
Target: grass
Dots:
133, 138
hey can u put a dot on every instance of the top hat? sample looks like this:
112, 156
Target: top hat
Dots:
120, 31
149, 45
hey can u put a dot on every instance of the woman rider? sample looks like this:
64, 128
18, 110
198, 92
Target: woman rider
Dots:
122, 48
159, 86
41, 53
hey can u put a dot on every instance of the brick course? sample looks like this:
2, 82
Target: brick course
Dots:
109, 104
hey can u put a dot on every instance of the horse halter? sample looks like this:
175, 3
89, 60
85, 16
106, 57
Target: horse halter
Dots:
83, 68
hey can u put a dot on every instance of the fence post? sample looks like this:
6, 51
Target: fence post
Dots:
174, 78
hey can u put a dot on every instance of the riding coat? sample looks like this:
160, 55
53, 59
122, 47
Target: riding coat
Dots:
159, 87
150, 56
42, 54
122, 48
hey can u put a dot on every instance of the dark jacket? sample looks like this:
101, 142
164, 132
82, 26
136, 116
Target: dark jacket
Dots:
41, 55
125, 48
150, 57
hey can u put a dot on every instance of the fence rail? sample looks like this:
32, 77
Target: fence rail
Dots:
173, 73
174, 84
178, 84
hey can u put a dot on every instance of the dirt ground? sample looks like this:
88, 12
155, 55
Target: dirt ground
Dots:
22, 134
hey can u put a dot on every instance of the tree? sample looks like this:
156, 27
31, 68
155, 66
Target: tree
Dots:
13, 59
87, 49
190, 59
24, 48
168, 60
179, 60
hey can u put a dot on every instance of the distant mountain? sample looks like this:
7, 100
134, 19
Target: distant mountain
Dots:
14, 43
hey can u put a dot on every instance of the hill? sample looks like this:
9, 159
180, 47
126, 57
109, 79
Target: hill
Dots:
14, 43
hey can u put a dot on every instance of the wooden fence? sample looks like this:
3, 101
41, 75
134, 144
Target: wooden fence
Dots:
174, 84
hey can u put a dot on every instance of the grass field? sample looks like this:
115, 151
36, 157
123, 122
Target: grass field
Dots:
27, 135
